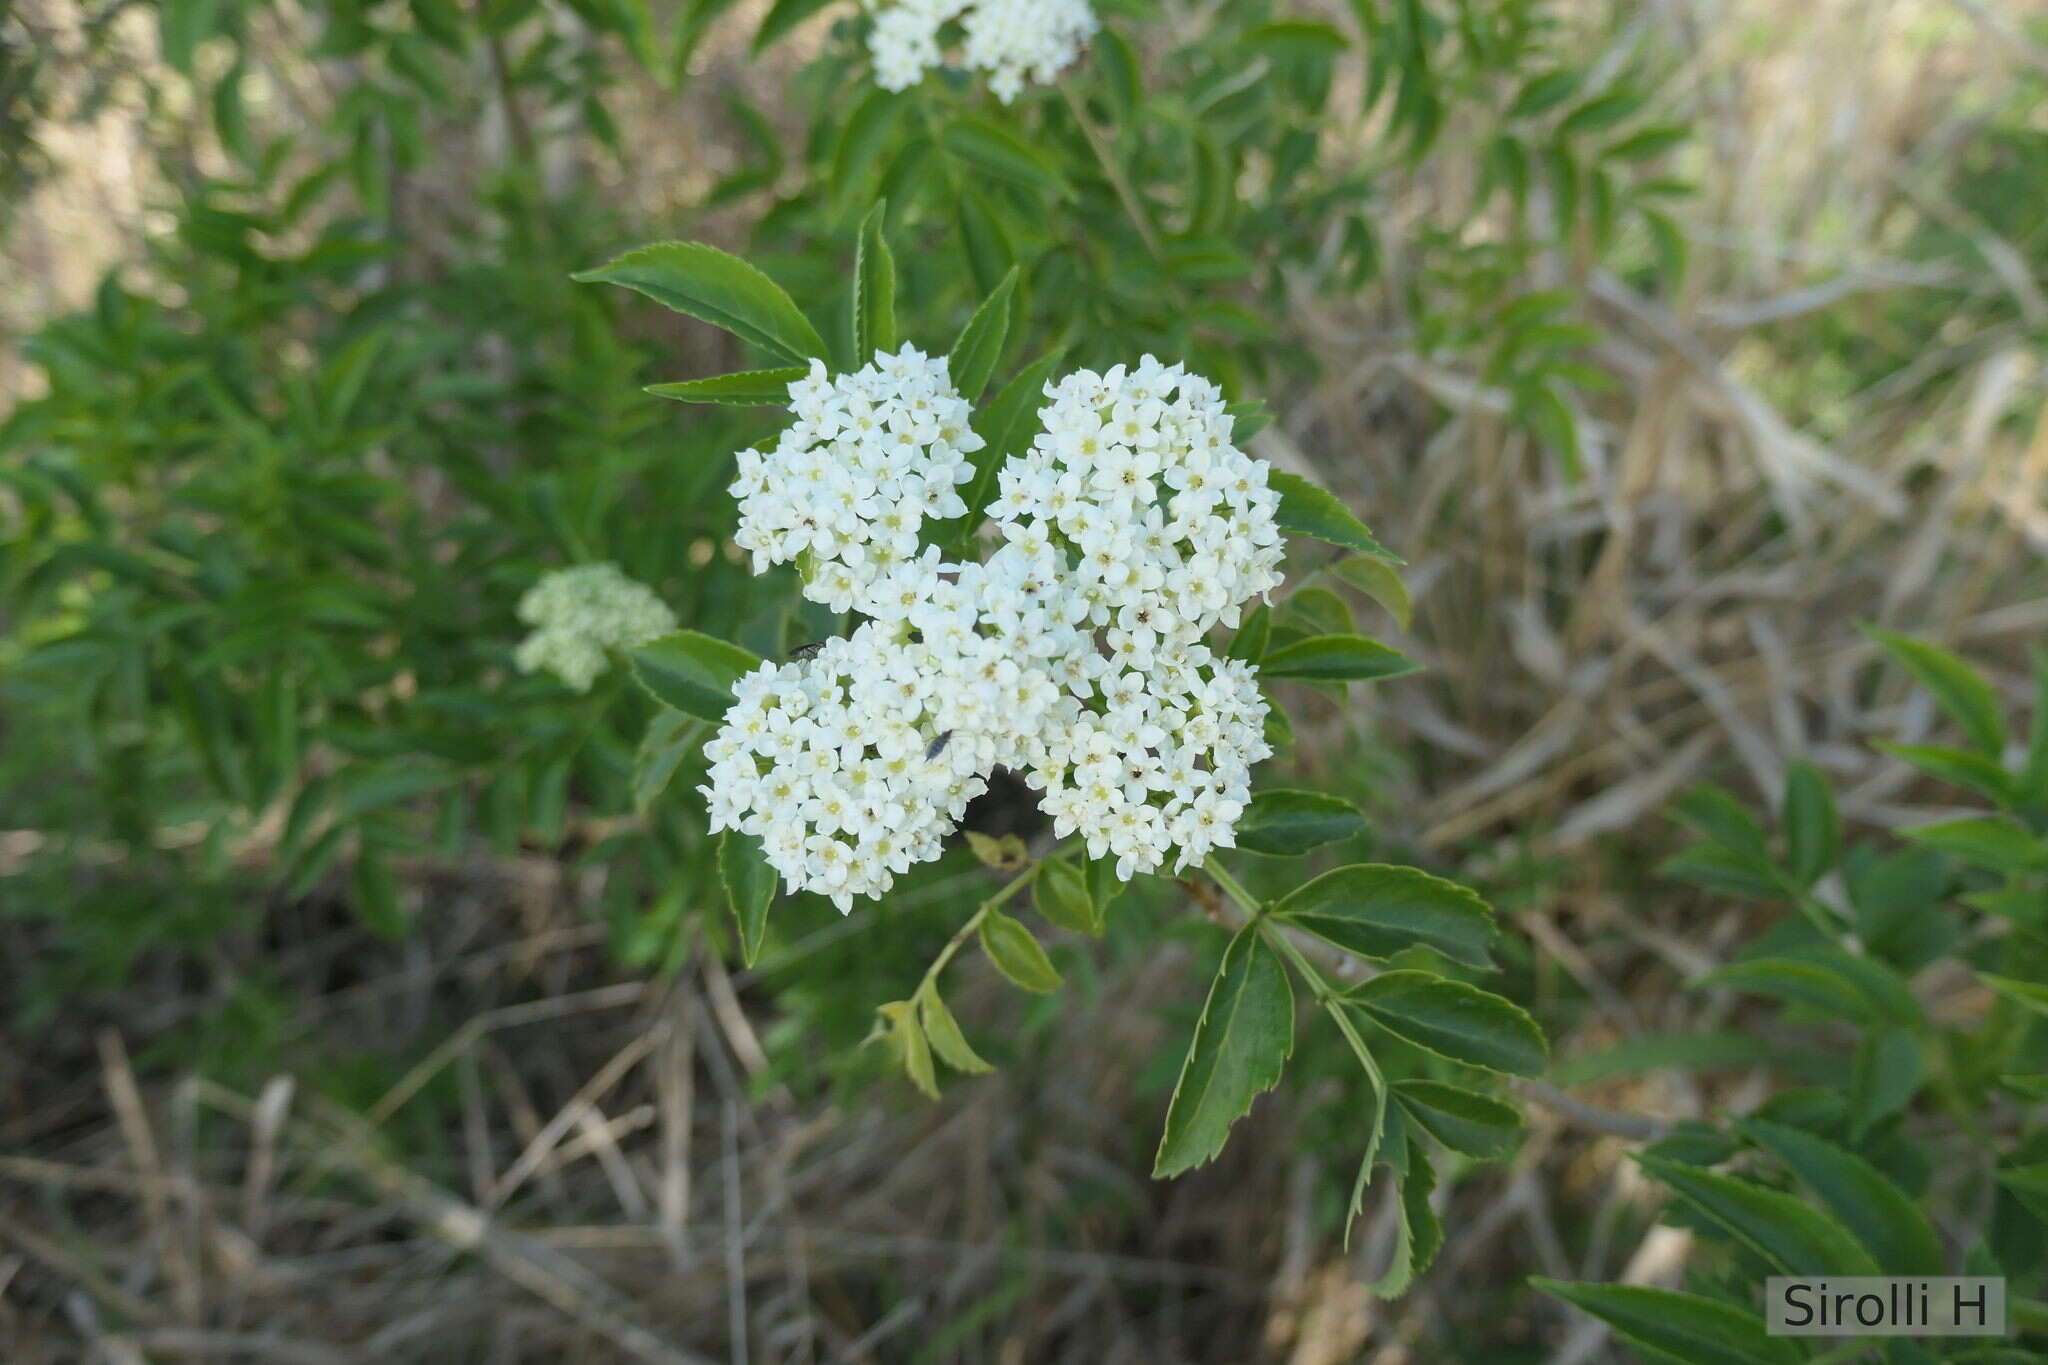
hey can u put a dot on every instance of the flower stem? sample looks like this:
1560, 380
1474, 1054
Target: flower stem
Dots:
966, 931
1231, 887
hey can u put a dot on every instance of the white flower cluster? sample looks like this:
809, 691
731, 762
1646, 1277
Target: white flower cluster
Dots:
1165, 765
870, 456
580, 615
1172, 524
832, 763
1012, 40
1073, 654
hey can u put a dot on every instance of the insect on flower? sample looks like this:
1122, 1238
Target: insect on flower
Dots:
938, 746
802, 652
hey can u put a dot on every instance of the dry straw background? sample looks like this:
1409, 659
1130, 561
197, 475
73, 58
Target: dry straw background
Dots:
1686, 609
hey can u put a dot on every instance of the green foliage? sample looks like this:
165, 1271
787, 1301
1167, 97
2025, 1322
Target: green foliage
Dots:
1240, 1047
1830, 1182
1376, 912
1686, 1328
269, 525
1290, 823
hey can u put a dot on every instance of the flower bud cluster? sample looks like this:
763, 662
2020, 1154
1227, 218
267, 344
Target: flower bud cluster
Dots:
1072, 654
580, 615
1012, 40
869, 458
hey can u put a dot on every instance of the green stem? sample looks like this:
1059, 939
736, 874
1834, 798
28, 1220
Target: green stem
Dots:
1823, 919
1231, 887
966, 931
1319, 987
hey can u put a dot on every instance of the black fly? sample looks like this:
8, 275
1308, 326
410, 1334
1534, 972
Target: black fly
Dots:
806, 651
938, 746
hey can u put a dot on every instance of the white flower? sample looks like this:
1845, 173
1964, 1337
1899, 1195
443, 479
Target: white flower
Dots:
580, 615
1012, 40
853, 479
1172, 527
1164, 768
829, 761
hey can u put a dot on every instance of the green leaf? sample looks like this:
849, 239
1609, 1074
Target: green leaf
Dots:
744, 389
1813, 831
1462, 1120
1249, 644
1004, 853
1453, 1020
1006, 423
1720, 868
1336, 658
670, 737
1689, 1051
992, 148
1883, 1079
376, 896
990, 251
2029, 1183
1375, 910
1601, 112
1957, 688
1960, 766
692, 671
1857, 989
782, 19
1240, 1047
1286, 823
1544, 92
1381, 582
1652, 141
1783, 1229
913, 1051
978, 351
944, 1032
2028, 994
1888, 1224
311, 864
182, 25
866, 132
1986, 841
1673, 247
1248, 419
874, 289
1677, 1327
230, 116
1417, 1234
1016, 954
1308, 510
1316, 610
1713, 812
1104, 887
749, 888
1120, 75
1061, 894
2034, 1088
719, 288
2034, 773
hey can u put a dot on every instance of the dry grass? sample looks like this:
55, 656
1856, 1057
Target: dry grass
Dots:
620, 1180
